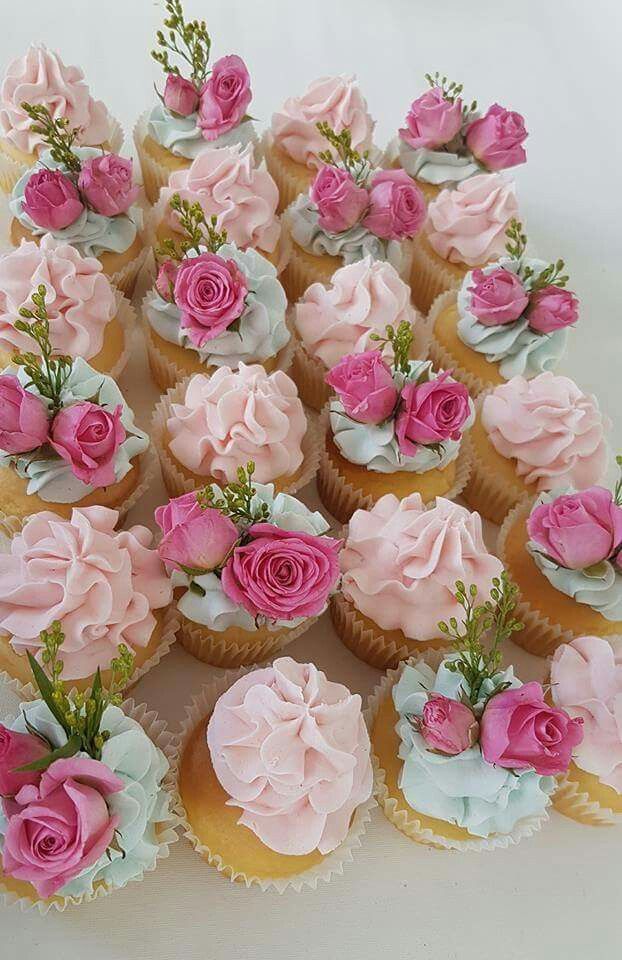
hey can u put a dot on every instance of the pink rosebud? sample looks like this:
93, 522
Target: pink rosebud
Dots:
364, 384
224, 97
88, 437
552, 309
431, 412
210, 293
23, 417
432, 120
51, 200
106, 183
340, 202
497, 297
194, 538
180, 95
496, 138
519, 730
577, 530
165, 282
17, 750
448, 725
397, 208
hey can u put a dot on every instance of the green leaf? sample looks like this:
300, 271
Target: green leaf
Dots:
68, 750
47, 691
34, 732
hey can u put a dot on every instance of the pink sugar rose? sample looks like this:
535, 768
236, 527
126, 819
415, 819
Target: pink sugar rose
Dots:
519, 730
88, 437
23, 417
340, 202
225, 97
209, 292
180, 95
552, 309
17, 750
497, 138
397, 208
194, 538
165, 282
51, 200
448, 725
364, 384
282, 574
432, 120
431, 412
106, 183
59, 829
579, 529
497, 297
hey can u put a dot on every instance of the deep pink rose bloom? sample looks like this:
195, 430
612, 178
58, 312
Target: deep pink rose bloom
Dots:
340, 202
397, 208
430, 413
448, 725
497, 297
165, 282
194, 538
518, 730
552, 309
209, 292
24, 421
51, 200
106, 183
577, 530
364, 384
180, 95
496, 139
225, 97
282, 574
59, 829
16, 750
432, 120
88, 437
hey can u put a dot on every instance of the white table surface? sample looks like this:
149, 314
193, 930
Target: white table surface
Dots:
557, 894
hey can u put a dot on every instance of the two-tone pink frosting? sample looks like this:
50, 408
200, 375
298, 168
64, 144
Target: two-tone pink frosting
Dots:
101, 584
80, 301
337, 101
554, 431
401, 562
229, 186
467, 225
232, 417
362, 298
292, 751
586, 680
41, 77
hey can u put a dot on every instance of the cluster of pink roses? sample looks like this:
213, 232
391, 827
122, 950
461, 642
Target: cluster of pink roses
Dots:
499, 297
577, 530
221, 102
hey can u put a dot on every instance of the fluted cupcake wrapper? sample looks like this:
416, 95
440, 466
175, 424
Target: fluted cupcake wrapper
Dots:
226, 650
577, 804
290, 179
442, 357
125, 279
155, 175
429, 276
126, 316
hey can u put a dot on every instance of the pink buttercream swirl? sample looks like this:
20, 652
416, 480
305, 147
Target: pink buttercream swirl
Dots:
41, 77
292, 751
586, 680
467, 225
232, 417
102, 585
79, 298
333, 100
401, 562
553, 430
229, 186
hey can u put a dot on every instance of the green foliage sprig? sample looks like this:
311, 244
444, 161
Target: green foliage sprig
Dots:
357, 164
401, 342
617, 493
236, 500
551, 276
516, 245
190, 41
199, 234
47, 373
55, 132
516, 242
450, 90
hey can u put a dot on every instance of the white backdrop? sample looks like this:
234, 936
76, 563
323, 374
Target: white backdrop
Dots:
557, 62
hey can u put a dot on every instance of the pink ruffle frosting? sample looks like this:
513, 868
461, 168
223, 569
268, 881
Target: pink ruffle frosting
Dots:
292, 751
401, 562
467, 225
232, 417
101, 584
555, 432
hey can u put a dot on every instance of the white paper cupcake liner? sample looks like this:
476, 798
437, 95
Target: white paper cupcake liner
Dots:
571, 801
126, 316
429, 276
219, 650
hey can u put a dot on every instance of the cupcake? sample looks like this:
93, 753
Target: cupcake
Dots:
41, 77
293, 146
274, 778
88, 318
586, 681
206, 109
105, 587
562, 551
393, 426
467, 753
530, 436
252, 569
206, 428
399, 566
507, 319
338, 319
